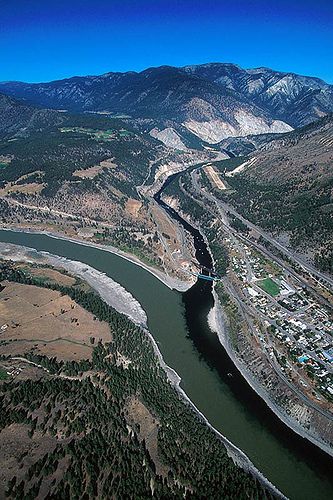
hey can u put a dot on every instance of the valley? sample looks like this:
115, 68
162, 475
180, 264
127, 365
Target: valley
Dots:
280, 320
216, 181
50, 396
75, 183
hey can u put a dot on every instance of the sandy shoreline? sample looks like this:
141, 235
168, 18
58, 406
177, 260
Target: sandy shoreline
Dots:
217, 324
170, 282
102, 284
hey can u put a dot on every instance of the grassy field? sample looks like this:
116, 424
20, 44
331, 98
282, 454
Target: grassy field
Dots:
124, 133
3, 374
102, 135
96, 134
269, 286
45, 322
47, 274
91, 172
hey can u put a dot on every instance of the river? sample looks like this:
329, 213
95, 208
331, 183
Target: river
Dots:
179, 324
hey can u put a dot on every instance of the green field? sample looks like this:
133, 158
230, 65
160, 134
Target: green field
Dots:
3, 165
3, 374
269, 286
124, 133
95, 134
101, 135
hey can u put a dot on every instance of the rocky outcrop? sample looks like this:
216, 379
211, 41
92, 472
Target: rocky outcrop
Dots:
169, 137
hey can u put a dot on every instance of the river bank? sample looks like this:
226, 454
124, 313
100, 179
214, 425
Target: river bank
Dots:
178, 323
113, 294
169, 281
217, 323
109, 290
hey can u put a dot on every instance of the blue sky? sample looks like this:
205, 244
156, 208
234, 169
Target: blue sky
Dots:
53, 39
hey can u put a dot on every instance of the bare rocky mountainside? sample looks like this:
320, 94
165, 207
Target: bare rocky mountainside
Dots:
210, 101
293, 98
90, 144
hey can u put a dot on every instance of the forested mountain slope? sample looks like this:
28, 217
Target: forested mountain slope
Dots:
287, 187
213, 101
18, 118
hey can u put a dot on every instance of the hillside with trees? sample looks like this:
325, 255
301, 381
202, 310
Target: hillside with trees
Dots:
112, 425
288, 190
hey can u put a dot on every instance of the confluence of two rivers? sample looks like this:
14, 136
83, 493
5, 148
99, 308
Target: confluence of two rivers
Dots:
179, 325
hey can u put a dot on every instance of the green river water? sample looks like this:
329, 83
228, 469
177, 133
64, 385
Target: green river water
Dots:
297, 468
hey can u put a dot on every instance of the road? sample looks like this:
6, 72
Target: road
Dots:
223, 208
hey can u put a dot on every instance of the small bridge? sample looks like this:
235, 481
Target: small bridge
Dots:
204, 273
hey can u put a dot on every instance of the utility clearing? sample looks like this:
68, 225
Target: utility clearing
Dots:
214, 177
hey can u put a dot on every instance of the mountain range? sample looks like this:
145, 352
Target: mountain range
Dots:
210, 101
111, 128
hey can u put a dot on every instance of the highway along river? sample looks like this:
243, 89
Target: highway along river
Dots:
178, 322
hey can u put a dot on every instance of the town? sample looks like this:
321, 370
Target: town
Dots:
294, 329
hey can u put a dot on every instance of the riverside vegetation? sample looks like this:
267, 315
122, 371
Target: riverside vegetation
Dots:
99, 447
79, 175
